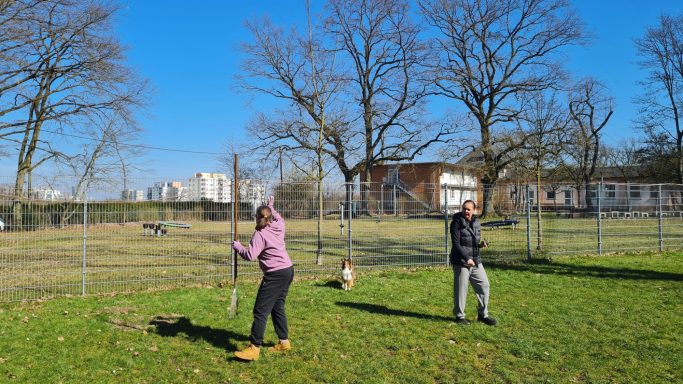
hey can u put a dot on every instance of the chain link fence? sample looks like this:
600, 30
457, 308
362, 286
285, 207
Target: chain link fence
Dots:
120, 241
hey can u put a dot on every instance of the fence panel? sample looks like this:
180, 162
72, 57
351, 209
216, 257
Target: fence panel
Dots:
66, 246
505, 227
606, 218
397, 229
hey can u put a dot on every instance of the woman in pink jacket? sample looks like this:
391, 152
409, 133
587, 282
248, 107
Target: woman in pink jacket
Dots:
267, 245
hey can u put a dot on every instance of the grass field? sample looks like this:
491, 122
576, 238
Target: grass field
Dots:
612, 319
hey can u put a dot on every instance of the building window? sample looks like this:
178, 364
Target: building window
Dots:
634, 191
550, 195
568, 197
610, 191
654, 192
592, 191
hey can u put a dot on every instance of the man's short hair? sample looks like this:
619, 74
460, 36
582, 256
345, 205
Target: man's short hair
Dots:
469, 201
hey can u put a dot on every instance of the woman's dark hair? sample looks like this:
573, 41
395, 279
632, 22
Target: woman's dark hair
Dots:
474, 205
264, 216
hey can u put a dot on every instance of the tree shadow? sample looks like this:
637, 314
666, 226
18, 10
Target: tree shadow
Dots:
383, 310
173, 326
546, 266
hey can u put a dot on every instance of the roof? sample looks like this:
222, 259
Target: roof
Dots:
433, 163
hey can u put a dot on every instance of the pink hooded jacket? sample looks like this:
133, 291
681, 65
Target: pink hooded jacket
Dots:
267, 245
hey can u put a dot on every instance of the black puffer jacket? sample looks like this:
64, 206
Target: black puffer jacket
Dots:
465, 237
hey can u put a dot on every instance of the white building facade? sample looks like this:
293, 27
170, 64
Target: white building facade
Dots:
210, 186
252, 191
167, 191
459, 186
47, 194
132, 195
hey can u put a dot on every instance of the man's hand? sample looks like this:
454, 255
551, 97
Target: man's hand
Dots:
470, 263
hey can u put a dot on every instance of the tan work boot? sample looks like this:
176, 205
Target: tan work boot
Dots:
249, 353
281, 346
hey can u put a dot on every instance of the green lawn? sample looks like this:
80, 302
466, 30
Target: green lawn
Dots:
613, 319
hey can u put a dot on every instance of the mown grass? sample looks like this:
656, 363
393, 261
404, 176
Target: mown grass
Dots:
615, 319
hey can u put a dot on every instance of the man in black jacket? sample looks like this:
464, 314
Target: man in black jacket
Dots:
467, 266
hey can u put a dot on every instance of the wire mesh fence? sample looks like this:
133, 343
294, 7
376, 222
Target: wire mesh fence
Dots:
122, 241
605, 218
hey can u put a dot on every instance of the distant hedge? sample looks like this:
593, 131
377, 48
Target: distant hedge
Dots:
37, 214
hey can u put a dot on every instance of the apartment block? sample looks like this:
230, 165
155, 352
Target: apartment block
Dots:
132, 195
210, 186
168, 191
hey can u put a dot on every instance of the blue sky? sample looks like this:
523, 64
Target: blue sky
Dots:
189, 53
611, 57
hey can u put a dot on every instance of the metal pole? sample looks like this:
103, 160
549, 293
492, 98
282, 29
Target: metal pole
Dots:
85, 252
349, 193
445, 220
599, 219
341, 218
381, 199
661, 219
528, 223
394, 198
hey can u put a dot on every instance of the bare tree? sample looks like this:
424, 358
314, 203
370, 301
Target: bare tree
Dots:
103, 156
389, 81
625, 157
492, 53
661, 104
589, 111
280, 66
545, 123
65, 70
657, 156
368, 75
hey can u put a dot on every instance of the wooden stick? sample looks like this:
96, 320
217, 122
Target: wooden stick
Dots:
235, 213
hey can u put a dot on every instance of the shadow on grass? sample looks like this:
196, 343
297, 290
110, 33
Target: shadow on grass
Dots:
172, 326
383, 310
336, 284
550, 267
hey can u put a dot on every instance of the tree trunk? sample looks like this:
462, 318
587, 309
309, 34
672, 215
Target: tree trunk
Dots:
488, 194
365, 191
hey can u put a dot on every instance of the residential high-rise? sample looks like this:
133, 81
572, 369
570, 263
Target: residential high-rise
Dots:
210, 186
133, 195
167, 191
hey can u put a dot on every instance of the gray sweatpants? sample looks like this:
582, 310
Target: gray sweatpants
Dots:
462, 277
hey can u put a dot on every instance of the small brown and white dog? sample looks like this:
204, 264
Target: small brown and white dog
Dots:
348, 274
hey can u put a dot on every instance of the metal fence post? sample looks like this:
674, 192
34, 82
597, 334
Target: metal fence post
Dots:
445, 220
528, 223
599, 219
349, 199
85, 252
661, 219
381, 200
394, 200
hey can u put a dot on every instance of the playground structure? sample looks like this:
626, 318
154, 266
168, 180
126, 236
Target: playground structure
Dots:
159, 229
